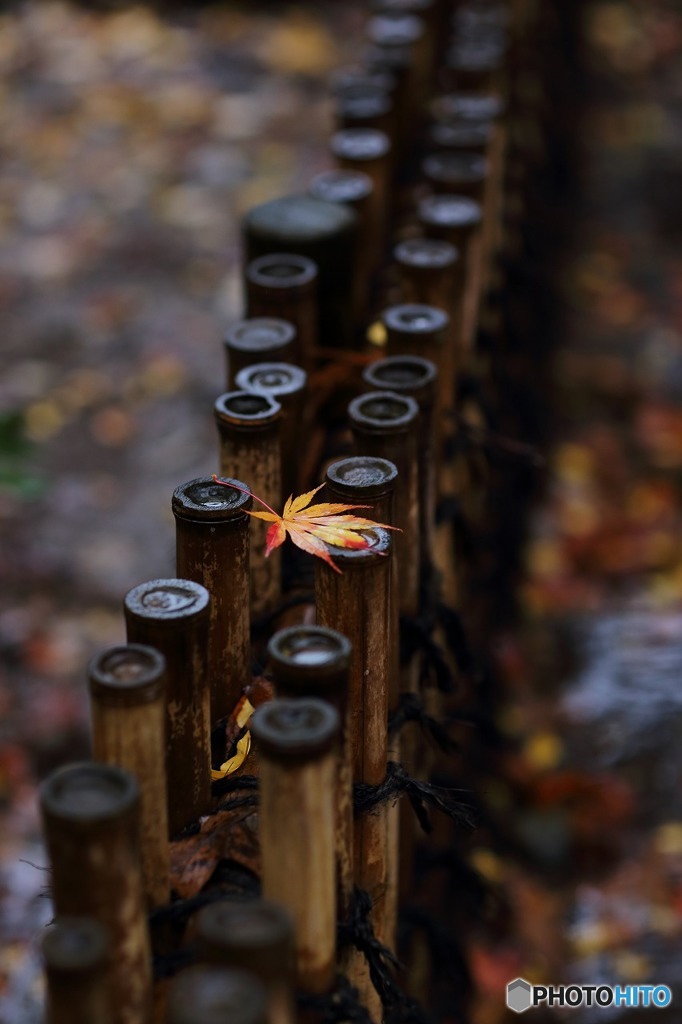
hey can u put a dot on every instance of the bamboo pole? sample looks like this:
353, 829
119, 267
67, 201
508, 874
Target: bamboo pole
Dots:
128, 705
417, 378
384, 425
312, 661
212, 531
369, 151
91, 824
258, 340
457, 219
249, 429
353, 188
258, 937
288, 386
357, 603
75, 952
414, 329
297, 744
216, 995
456, 172
284, 285
325, 233
172, 615
403, 31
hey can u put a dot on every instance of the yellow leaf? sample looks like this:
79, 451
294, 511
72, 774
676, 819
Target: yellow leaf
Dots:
237, 759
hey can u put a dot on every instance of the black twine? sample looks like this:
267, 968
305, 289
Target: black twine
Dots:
411, 709
420, 794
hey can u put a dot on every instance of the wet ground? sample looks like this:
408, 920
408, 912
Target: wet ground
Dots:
130, 147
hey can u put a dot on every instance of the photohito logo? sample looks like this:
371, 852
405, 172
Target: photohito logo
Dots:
522, 996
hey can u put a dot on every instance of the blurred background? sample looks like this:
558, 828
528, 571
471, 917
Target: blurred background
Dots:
132, 141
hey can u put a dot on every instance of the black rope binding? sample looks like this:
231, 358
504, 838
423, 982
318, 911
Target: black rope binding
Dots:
420, 794
381, 962
411, 709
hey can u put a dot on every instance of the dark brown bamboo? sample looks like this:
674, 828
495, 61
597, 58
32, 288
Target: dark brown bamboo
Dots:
417, 378
429, 272
458, 220
258, 937
384, 425
91, 824
250, 449
456, 172
420, 330
287, 385
369, 151
128, 705
212, 537
284, 285
217, 995
357, 603
477, 66
326, 233
297, 744
354, 189
364, 480
259, 340
312, 661
75, 954
364, 106
391, 30
460, 134
172, 615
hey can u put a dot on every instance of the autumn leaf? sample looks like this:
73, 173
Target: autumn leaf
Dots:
312, 527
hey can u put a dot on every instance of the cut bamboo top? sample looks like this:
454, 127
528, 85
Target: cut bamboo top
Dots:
363, 105
455, 170
74, 944
181, 602
276, 273
361, 144
246, 410
341, 186
348, 77
127, 676
258, 335
415, 323
423, 256
203, 500
461, 134
383, 412
309, 661
299, 219
295, 729
469, 106
86, 793
362, 476
214, 995
276, 379
412, 375
395, 28
449, 214
256, 936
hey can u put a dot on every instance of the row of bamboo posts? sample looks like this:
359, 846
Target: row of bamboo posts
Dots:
362, 301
